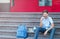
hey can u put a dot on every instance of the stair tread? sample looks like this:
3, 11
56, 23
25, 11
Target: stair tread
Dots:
27, 12
17, 26
8, 30
4, 36
22, 21
16, 31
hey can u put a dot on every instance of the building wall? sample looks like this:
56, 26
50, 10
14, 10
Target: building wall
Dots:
33, 6
4, 5
4, 1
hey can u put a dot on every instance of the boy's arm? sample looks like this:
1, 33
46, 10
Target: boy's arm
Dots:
52, 26
41, 21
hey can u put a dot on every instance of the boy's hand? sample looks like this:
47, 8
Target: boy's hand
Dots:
45, 33
42, 18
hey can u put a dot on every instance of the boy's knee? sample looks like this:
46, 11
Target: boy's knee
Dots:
37, 29
54, 29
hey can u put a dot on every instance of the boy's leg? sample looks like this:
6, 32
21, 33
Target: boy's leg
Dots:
52, 32
37, 33
39, 29
43, 30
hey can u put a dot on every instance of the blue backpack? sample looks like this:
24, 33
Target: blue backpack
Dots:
21, 31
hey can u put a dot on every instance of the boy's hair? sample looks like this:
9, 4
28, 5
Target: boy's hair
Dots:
45, 11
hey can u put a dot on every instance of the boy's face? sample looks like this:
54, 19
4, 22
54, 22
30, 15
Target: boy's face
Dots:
45, 15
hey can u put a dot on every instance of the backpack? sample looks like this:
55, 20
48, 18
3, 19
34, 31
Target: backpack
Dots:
21, 31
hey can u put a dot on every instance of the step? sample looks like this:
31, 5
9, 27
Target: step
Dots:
7, 16
21, 38
4, 36
8, 33
22, 18
14, 31
12, 37
27, 12
24, 21
27, 23
27, 15
8, 30
14, 27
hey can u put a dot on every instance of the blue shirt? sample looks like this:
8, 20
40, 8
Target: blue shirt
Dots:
47, 22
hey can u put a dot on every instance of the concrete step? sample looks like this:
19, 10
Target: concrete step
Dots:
14, 31
31, 35
4, 36
27, 23
8, 33
57, 13
14, 37
22, 16
23, 21
14, 27
8, 28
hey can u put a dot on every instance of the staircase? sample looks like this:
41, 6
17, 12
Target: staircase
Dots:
9, 22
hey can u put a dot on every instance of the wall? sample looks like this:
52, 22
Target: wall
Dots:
4, 5
4, 1
33, 6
